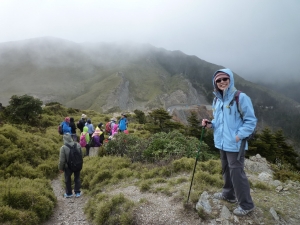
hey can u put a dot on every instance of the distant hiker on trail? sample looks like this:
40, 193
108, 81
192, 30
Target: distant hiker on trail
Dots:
63, 166
85, 140
96, 142
230, 131
115, 130
113, 121
73, 129
81, 123
66, 126
90, 127
100, 126
108, 128
123, 123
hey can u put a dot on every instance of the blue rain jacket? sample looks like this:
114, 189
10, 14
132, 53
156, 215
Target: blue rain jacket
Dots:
227, 122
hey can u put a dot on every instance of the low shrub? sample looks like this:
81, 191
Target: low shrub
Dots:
8, 215
35, 196
104, 209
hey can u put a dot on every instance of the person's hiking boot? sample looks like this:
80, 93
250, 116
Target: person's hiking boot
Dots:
242, 212
220, 196
68, 196
77, 195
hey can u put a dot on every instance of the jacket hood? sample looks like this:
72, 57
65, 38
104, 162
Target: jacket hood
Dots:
228, 72
85, 129
68, 139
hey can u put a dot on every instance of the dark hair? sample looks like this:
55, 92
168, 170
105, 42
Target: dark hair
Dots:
89, 121
71, 119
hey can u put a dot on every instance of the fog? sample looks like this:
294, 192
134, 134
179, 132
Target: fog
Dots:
256, 39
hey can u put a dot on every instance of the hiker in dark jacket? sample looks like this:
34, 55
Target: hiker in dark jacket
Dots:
73, 129
63, 167
81, 123
101, 126
230, 130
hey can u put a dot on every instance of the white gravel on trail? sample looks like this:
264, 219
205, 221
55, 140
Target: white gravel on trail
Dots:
68, 210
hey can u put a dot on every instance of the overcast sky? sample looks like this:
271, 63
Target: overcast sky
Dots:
258, 38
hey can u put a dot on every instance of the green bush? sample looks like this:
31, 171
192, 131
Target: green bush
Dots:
172, 145
126, 144
21, 152
12, 216
110, 210
25, 194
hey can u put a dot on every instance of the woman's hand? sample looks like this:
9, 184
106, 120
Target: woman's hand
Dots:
237, 139
206, 123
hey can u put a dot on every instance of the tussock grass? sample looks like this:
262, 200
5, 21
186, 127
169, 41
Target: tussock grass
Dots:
261, 185
111, 210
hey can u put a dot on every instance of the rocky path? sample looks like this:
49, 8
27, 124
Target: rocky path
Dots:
68, 210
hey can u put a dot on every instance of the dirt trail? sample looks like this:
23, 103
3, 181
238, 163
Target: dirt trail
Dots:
67, 210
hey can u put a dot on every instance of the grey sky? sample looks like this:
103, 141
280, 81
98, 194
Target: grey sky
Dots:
258, 38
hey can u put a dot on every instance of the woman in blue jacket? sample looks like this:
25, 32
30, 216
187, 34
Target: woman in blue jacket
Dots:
229, 131
66, 126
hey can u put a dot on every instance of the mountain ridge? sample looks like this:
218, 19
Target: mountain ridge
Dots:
113, 77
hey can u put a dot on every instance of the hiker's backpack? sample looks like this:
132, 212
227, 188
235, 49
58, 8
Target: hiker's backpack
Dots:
82, 140
75, 158
60, 129
108, 127
237, 100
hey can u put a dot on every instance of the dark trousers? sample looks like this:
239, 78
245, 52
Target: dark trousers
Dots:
68, 174
236, 183
87, 148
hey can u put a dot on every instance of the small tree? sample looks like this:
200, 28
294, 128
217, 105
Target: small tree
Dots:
140, 115
160, 117
284, 152
24, 109
194, 129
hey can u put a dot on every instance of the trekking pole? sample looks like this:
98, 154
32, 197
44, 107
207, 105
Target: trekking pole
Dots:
197, 156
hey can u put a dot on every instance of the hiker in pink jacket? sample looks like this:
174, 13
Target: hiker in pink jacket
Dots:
115, 129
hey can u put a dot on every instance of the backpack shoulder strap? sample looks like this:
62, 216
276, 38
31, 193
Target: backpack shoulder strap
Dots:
237, 100
69, 146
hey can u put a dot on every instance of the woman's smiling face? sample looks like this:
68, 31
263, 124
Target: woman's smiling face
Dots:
223, 83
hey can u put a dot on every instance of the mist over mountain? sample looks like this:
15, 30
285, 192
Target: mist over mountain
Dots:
114, 77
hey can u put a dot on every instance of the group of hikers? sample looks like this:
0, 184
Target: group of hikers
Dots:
71, 154
93, 137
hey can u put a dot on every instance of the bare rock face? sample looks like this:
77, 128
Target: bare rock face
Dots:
181, 114
120, 99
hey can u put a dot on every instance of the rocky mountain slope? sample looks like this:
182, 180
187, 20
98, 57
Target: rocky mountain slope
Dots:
110, 77
103, 77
